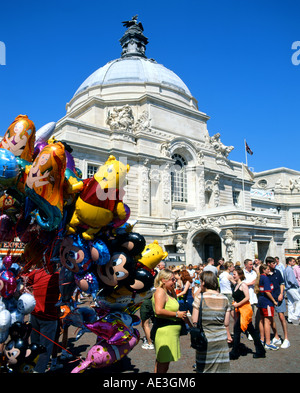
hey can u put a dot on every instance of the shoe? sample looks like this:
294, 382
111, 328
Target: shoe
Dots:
55, 367
259, 355
271, 347
233, 356
148, 346
66, 355
250, 337
276, 341
285, 344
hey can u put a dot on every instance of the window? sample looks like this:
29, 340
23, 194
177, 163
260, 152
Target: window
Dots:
91, 170
236, 198
296, 219
179, 179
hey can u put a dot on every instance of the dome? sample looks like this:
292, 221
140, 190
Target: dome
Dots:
134, 69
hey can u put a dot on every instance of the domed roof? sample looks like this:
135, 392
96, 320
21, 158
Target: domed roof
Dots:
134, 69
134, 66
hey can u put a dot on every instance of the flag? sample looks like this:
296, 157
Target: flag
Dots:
248, 150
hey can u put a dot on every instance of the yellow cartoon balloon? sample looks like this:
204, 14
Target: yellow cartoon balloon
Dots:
152, 255
100, 200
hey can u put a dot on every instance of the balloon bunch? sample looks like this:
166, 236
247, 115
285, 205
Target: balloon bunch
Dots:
13, 305
20, 356
79, 226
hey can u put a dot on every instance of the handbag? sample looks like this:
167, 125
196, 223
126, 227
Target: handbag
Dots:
198, 338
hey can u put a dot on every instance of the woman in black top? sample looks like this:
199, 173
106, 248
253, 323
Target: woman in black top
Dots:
243, 317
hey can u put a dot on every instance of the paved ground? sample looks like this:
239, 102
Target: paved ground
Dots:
141, 361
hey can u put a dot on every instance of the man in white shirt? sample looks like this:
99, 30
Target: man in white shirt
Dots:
250, 278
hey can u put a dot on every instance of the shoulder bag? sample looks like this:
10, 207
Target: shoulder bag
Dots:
198, 338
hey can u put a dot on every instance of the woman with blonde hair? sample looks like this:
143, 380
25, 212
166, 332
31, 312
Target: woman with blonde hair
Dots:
168, 321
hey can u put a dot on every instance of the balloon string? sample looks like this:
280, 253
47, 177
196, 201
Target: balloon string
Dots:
54, 342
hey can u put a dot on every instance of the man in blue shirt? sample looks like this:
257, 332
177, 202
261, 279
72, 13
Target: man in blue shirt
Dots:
277, 280
292, 292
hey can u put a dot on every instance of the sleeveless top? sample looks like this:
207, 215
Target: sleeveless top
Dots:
238, 294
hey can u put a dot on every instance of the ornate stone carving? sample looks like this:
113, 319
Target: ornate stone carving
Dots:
205, 222
166, 182
145, 182
216, 190
229, 243
143, 123
120, 119
164, 148
294, 184
259, 220
180, 244
200, 157
221, 150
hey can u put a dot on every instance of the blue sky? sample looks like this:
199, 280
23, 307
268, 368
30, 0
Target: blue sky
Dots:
235, 56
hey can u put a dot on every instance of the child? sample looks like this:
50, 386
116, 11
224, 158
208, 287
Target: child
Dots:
266, 304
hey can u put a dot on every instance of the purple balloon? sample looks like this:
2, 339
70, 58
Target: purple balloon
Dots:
70, 161
7, 261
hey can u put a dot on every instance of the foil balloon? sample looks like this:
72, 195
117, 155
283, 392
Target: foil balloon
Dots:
7, 262
67, 285
5, 322
100, 199
44, 186
19, 138
99, 252
26, 303
9, 169
75, 254
42, 135
152, 255
8, 284
88, 284
103, 355
118, 222
114, 328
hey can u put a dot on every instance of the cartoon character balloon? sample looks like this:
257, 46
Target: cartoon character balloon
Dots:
105, 354
100, 200
20, 137
152, 255
44, 186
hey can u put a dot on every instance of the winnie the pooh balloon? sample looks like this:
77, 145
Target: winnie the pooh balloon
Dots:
152, 255
100, 199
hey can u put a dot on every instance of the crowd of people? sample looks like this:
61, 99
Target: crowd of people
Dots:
250, 294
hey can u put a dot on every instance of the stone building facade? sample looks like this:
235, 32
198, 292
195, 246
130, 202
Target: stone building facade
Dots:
182, 189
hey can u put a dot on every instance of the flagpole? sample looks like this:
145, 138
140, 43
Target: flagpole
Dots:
243, 180
245, 152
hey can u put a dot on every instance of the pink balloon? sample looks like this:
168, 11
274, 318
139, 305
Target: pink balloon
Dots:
100, 356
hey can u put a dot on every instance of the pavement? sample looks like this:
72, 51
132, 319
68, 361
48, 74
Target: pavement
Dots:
141, 361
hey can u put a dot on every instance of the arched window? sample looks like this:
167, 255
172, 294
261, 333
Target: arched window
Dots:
179, 179
297, 242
